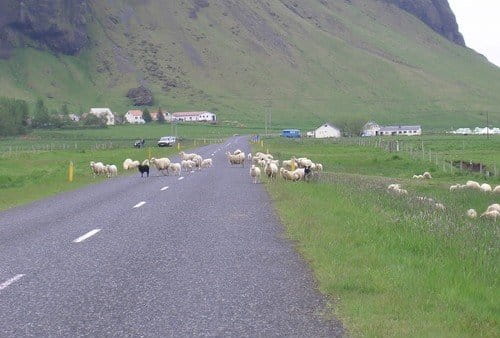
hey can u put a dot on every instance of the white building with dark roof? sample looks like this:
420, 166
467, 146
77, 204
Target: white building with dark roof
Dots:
198, 116
373, 129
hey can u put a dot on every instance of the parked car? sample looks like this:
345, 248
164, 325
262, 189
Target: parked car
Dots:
167, 141
139, 143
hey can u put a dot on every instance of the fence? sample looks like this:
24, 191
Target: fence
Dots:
421, 153
31, 146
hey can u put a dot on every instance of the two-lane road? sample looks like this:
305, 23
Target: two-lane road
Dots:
166, 256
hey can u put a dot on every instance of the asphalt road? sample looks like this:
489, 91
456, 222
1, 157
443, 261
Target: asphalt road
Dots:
205, 256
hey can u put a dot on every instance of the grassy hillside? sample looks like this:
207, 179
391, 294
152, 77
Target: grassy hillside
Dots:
306, 62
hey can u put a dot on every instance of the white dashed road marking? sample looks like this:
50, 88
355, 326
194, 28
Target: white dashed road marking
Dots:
138, 205
181, 178
10, 281
87, 235
164, 188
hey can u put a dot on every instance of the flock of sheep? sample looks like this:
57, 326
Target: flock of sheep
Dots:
491, 213
188, 162
295, 169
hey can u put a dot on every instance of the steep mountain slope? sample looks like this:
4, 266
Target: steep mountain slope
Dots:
305, 61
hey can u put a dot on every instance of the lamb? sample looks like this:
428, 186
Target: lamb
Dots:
473, 185
255, 173
485, 187
144, 168
249, 157
304, 162
187, 165
271, 169
440, 206
237, 152
317, 167
471, 213
185, 156
457, 187
496, 190
206, 163
161, 164
236, 159
112, 170
175, 168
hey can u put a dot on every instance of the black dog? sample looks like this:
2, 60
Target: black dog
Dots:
143, 169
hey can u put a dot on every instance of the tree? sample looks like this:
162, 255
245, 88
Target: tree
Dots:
147, 116
14, 117
92, 120
41, 117
161, 117
352, 127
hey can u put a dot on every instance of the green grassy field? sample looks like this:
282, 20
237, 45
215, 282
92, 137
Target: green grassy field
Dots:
394, 266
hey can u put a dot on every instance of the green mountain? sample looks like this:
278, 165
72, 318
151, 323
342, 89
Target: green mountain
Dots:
394, 61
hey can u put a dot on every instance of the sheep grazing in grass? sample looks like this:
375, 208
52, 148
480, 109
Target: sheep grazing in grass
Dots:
440, 206
144, 168
427, 175
473, 185
97, 168
494, 206
236, 159
456, 187
485, 187
206, 163
111, 170
271, 169
255, 173
187, 165
175, 168
185, 156
497, 189
471, 213
396, 189
492, 215
304, 162
161, 164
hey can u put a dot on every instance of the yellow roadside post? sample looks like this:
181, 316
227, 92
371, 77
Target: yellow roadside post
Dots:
149, 153
262, 143
71, 171
178, 146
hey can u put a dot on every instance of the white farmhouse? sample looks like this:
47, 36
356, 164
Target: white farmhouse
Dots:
200, 116
104, 112
134, 117
373, 129
327, 130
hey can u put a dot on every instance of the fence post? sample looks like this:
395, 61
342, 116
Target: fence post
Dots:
71, 171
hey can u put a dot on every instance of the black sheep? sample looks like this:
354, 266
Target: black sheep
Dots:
143, 168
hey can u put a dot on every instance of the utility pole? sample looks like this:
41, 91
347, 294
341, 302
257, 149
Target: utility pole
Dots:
487, 125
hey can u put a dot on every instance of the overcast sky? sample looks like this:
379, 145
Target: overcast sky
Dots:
479, 22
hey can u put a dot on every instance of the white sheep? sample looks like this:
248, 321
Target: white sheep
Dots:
440, 206
497, 189
427, 175
237, 152
396, 189
255, 173
290, 164
471, 213
206, 163
161, 164
126, 163
187, 165
185, 156
494, 206
473, 185
111, 170
175, 168
485, 187
493, 215
197, 161
236, 159
288, 175
249, 157
271, 169
98, 168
